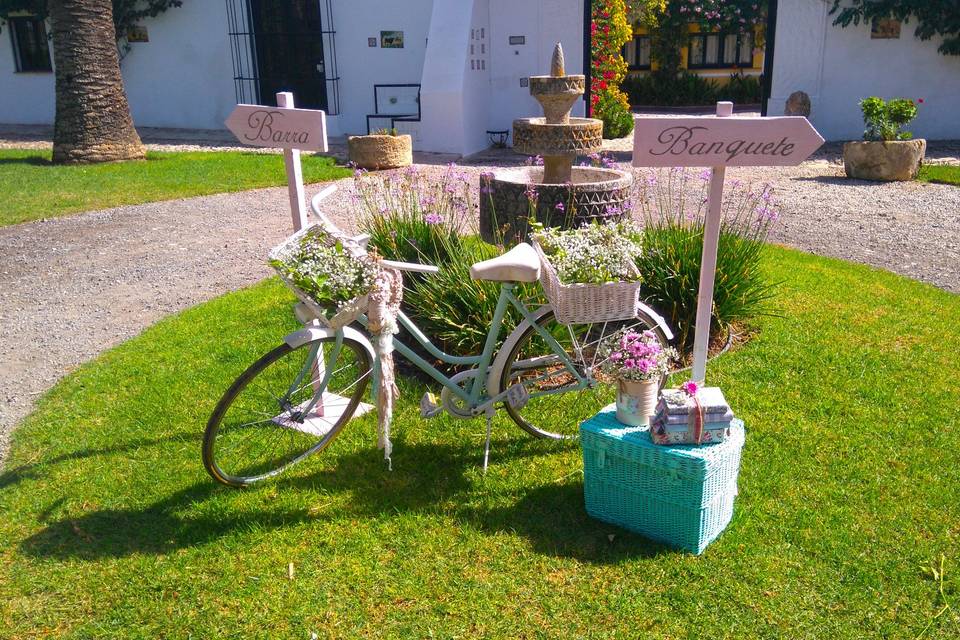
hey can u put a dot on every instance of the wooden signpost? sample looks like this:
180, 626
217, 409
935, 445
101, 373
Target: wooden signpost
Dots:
719, 142
286, 128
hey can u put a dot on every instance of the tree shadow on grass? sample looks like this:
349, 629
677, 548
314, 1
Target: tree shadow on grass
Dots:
429, 473
427, 478
34, 470
34, 160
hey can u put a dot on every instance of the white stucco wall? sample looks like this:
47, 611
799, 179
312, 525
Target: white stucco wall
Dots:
838, 67
25, 98
182, 77
461, 104
360, 66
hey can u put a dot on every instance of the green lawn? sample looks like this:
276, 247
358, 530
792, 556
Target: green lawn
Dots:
847, 501
33, 188
940, 173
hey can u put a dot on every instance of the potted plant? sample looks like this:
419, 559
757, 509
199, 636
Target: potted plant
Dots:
887, 152
639, 363
383, 149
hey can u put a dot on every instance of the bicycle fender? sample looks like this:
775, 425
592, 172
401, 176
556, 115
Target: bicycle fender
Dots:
315, 332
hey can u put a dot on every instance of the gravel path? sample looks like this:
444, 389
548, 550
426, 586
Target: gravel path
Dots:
73, 287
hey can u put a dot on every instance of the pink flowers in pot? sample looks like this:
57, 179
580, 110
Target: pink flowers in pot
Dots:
633, 355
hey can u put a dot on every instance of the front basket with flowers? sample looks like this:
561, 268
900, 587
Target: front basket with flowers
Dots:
589, 274
331, 275
639, 363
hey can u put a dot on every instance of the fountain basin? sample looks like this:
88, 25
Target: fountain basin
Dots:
579, 136
593, 194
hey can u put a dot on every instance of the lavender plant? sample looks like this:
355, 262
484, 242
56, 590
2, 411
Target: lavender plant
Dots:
673, 205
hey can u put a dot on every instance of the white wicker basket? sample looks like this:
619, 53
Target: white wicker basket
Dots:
348, 311
583, 303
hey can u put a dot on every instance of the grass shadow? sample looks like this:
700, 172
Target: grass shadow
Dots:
33, 160
553, 518
162, 527
428, 475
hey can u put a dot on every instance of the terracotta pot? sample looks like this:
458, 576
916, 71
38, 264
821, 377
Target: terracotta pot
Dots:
380, 151
894, 160
636, 401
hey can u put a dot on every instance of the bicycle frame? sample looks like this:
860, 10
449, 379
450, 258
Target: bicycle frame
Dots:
481, 363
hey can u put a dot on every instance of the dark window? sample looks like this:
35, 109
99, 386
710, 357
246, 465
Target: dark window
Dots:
30, 49
637, 52
720, 50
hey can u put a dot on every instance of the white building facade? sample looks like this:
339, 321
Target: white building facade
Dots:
838, 67
445, 71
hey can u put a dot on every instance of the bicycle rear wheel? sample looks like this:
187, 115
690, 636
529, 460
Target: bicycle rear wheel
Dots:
558, 401
264, 423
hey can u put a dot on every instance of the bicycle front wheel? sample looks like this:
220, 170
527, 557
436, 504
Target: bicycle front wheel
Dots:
268, 419
558, 400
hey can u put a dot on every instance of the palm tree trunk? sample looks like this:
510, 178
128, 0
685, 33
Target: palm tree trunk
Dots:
93, 122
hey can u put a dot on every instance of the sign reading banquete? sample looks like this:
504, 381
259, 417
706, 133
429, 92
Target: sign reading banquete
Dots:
283, 128
713, 142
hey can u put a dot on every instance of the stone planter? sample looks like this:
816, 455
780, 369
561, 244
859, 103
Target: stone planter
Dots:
894, 160
380, 151
597, 194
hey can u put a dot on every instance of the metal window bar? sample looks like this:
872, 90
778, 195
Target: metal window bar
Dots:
243, 50
393, 117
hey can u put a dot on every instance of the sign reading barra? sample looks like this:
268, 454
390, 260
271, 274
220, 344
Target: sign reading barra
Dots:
712, 142
283, 128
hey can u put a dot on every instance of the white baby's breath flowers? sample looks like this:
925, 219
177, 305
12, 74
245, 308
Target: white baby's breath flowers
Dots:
326, 272
593, 254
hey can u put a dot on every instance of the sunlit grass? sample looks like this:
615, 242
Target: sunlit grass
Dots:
847, 500
33, 188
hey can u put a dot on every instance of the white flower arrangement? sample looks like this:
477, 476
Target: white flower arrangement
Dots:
593, 254
325, 270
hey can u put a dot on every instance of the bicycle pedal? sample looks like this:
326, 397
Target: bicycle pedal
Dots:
517, 396
429, 407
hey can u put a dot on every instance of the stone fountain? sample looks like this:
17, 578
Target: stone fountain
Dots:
585, 193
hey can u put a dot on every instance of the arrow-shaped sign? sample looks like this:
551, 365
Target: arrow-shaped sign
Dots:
713, 142
718, 142
279, 127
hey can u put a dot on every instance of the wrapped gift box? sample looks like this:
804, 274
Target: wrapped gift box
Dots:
675, 420
680, 495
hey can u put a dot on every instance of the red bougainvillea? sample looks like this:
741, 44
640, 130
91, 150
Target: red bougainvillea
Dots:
609, 31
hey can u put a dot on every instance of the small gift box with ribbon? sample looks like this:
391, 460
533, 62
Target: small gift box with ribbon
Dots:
691, 415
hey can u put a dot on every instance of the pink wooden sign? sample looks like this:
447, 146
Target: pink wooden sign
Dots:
718, 142
731, 141
283, 128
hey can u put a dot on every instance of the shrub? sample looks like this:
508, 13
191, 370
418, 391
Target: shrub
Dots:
885, 120
741, 89
414, 218
674, 209
609, 32
662, 90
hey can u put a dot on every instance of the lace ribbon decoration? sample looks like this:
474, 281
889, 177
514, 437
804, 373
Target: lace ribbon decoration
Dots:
382, 311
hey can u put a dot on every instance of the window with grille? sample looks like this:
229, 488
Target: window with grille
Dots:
31, 51
637, 53
720, 50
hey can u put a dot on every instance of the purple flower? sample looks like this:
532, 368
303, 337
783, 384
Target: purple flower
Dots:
531, 193
559, 206
433, 218
705, 175
690, 388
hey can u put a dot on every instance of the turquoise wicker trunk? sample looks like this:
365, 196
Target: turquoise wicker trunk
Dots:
681, 495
